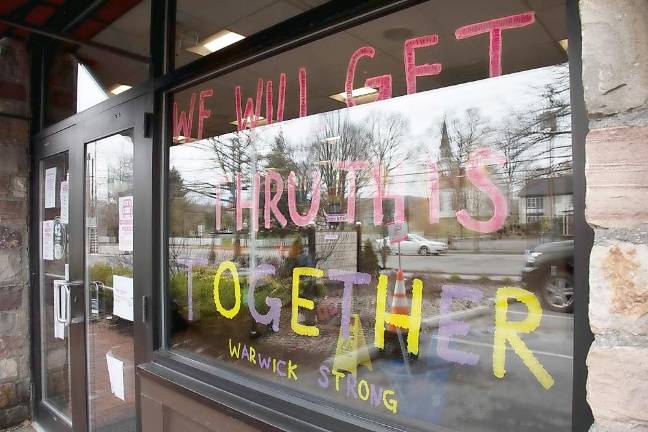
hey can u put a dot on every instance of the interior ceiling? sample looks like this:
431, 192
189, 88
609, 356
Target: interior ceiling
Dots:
125, 24
326, 60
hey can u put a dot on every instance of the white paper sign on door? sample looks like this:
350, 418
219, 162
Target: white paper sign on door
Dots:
65, 189
116, 375
50, 187
48, 240
123, 297
126, 223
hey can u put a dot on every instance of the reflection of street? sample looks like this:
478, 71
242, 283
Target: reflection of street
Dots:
475, 400
461, 263
471, 398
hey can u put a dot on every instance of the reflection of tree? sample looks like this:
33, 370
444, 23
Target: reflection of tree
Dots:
385, 132
179, 203
281, 160
378, 139
529, 138
233, 154
337, 138
457, 142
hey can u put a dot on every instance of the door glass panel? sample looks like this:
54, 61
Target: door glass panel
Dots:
55, 341
109, 280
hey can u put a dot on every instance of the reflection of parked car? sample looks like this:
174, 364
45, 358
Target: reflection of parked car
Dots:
414, 244
549, 270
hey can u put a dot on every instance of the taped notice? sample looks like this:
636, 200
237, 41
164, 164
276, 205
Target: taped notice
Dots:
116, 375
65, 189
50, 187
48, 240
123, 297
126, 223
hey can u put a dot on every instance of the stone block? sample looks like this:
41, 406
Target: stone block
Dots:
8, 320
13, 211
7, 395
14, 146
13, 416
12, 343
23, 391
10, 298
615, 58
619, 288
617, 164
10, 238
11, 267
19, 185
617, 395
14, 61
8, 369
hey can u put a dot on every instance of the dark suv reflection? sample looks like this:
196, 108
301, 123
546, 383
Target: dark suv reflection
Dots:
549, 270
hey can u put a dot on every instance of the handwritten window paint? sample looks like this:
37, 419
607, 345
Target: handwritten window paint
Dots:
355, 210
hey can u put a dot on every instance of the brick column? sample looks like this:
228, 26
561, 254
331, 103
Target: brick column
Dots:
615, 78
15, 338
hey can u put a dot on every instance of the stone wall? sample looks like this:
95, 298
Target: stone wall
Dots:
615, 79
15, 362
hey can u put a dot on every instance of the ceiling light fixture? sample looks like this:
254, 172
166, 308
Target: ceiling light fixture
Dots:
361, 95
120, 88
259, 122
216, 42
564, 43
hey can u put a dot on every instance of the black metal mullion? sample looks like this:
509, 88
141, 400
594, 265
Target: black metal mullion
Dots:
162, 37
582, 418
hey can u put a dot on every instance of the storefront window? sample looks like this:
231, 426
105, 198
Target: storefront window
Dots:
206, 26
350, 220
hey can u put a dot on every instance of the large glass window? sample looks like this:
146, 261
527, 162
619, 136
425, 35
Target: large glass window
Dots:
348, 221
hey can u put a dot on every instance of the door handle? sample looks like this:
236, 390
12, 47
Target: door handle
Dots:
62, 308
67, 303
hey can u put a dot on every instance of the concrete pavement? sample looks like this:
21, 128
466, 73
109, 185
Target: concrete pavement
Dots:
461, 264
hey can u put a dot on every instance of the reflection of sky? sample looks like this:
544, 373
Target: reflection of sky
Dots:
497, 99
89, 92
114, 158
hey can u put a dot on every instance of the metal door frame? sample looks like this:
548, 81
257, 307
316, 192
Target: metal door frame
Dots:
72, 136
44, 414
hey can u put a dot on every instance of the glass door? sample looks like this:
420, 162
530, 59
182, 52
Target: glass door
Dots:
115, 282
109, 212
55, 327
90, 307
59, 297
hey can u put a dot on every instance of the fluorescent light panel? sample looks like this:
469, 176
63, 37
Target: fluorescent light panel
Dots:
119, 88
564, 44
259, 122
361, 95
216, 42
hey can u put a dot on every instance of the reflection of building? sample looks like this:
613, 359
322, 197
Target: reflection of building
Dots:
546, 199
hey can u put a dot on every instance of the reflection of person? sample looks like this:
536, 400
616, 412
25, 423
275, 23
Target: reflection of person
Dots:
307, 285
305, 259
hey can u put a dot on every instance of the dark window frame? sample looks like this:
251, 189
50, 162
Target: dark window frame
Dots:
223, 386
220, 387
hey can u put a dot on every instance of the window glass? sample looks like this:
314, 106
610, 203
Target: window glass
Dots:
206, 26
79, 77
375, 252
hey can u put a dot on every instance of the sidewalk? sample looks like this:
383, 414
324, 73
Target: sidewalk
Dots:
20, 429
